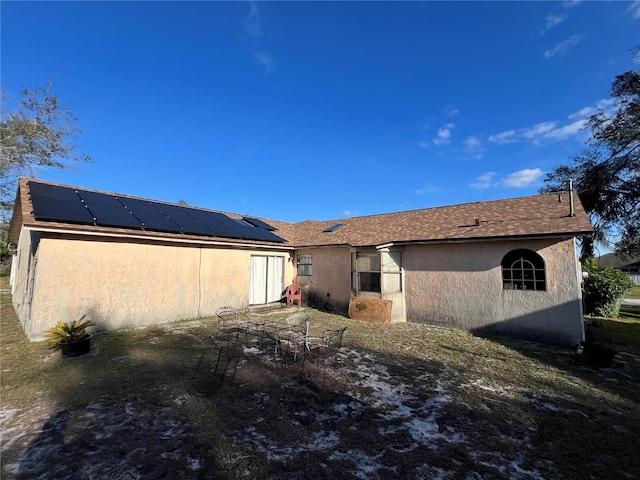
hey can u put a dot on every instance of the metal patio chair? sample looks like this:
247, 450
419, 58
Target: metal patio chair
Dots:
232, 324
296, 325
213, 367
324, 348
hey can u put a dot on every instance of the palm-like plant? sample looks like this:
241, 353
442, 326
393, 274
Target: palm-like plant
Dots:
66, 332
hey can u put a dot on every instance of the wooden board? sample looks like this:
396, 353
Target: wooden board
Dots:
374, 310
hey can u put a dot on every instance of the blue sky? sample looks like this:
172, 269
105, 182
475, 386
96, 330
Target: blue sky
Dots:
298, 110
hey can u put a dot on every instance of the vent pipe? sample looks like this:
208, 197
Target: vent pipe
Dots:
572, 213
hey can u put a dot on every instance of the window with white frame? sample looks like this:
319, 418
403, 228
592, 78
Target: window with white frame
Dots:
377, 271
305, 264
523, 269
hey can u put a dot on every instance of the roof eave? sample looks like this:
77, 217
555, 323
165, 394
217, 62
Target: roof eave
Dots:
150, 237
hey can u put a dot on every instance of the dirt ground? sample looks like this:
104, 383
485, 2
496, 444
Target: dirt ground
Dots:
368, 415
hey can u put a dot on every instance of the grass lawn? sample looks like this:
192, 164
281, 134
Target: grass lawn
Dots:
634, 293
404, 401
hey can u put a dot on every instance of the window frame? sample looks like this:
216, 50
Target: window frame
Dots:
523, 269
307, 266
391, 268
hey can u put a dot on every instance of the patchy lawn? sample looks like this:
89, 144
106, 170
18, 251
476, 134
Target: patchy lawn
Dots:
403, 401
634, 293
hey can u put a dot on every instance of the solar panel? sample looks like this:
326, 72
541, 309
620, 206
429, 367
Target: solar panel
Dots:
187, 224
150, 216
212, 221
270, 236
247, 232
108, 211
66, 204
54, 203
256, 222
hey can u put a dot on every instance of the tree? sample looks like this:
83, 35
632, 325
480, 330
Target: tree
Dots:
604, 289
607, 172
37, 135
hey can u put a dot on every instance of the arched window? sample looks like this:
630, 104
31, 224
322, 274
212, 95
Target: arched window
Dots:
523, 270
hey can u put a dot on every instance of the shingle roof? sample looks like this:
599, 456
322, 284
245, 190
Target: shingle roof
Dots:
616, 261
538, 215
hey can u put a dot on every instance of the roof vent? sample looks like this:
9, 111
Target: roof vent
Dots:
477, 222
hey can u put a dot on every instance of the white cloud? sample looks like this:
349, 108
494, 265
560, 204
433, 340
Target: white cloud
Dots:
424, 144
451, 111
428, 189
537, 130
522, 178
634, 8
541, 132
562, 48
604, 105
558, 14
567, 131
484, 181
473, 147
583, 113
508, 136
571, 3
252, 23
553, 131
444, 134
349, 213
553, 20
266, 61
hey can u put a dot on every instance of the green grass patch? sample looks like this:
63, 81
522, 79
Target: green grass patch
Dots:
634, 293
619, 333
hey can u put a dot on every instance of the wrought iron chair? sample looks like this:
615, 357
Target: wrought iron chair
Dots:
213, 367
296, 325
232, 323
322, 349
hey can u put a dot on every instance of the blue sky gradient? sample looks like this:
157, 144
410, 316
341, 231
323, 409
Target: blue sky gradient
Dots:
298, 110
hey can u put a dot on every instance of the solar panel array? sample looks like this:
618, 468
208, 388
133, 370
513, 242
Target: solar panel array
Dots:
69, 205
256, 222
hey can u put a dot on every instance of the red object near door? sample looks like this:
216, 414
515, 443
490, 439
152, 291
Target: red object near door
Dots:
294, 294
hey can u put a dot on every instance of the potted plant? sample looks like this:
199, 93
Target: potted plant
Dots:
71, 338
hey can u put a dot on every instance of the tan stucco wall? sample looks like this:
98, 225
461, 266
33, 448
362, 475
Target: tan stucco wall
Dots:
121, 285
460, 285
23, 270
331, 274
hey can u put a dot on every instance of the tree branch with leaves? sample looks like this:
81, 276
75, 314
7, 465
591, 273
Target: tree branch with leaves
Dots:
607, 172
37, 135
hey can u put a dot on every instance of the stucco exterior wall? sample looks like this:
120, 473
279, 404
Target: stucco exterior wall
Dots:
23, 269
121, 285
460, 285
331, 274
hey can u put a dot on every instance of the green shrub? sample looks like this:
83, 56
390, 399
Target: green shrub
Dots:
604, 289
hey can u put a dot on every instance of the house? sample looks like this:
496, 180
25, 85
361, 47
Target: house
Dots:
625, 263
501, 267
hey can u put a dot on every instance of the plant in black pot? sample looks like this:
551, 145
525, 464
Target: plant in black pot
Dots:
71, 337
